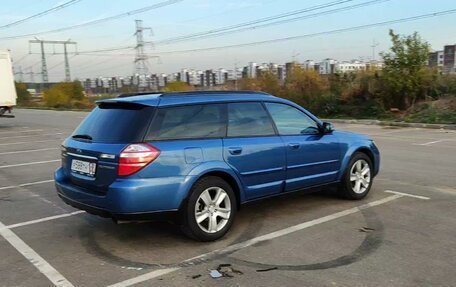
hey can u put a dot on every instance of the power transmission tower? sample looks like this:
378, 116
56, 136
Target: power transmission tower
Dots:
44, 69
373, 46
31, 75
141, 58
20, 74
67, 63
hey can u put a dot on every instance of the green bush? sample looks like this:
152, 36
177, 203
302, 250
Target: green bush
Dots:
23, 96
62, 95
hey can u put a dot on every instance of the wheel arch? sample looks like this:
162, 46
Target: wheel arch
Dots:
230, 180
218, 169
349, 154
367, 152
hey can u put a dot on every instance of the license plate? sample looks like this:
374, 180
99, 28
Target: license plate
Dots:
83, 167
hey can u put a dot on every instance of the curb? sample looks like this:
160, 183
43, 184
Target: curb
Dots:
395, 124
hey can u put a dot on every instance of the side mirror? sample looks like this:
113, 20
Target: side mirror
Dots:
327, 128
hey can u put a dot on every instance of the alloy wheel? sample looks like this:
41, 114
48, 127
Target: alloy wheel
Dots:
212, 209
360, 176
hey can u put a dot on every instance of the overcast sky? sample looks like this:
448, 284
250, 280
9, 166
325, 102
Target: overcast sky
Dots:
193, 16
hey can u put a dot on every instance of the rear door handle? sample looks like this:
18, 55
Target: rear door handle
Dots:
293, 145
235, 150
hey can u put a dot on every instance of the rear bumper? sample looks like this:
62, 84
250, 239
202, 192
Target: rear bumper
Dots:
168, 215
125, 199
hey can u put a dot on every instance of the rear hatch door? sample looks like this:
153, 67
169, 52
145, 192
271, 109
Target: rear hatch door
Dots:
90, 155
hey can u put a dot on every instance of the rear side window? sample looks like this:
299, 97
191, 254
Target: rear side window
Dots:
248, 119
193, 121
116, 123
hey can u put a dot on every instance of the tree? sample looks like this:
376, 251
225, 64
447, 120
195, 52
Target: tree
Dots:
177, 87
405, 75
23, 96
304, 86
266, 82
63, 95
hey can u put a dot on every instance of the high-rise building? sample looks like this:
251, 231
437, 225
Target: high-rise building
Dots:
327, 66
251, 70
449, 59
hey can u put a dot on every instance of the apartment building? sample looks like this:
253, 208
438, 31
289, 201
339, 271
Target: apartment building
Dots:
349, 67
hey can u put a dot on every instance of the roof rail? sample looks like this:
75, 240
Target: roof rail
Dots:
191, 93
199, 93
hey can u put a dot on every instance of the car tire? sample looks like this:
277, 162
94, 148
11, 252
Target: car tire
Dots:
358, 177
206, 215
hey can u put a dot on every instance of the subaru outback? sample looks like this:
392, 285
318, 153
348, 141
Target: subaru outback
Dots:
199, 156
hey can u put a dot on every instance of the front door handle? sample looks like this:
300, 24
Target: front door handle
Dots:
293, 145
235, 150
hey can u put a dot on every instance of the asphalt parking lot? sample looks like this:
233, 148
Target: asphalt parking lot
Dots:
402, 234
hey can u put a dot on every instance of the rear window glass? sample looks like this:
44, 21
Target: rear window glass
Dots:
119, 123
194, 121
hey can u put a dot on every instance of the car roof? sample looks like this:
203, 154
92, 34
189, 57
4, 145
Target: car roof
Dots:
194, 97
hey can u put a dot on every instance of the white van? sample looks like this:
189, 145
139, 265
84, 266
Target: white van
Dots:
7, 88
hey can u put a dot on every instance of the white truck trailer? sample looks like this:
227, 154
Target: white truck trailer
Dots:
7, 88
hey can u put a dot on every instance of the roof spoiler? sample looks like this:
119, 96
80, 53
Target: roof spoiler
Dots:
126, 95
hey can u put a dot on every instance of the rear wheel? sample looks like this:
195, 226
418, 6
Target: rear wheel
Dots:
357, 180
210, 209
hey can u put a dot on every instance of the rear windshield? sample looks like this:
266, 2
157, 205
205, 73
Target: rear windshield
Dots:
116, 123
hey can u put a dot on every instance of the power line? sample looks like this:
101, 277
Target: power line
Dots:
261, 20
101, 50
225, 31
43, 13
60, 63
213, 15
336, 31
21, 59
98, 21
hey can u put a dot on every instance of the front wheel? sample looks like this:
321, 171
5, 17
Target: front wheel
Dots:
210, 209
358, 177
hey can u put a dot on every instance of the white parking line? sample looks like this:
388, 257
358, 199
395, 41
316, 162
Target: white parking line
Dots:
430, 143
26, 184
269, 236
27, 142
42, 265
28, 163
145, 277
26, 131
27, 150
400, 130
408, 194
28, 136
55, 277
44, 219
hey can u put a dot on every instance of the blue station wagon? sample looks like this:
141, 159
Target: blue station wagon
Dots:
198, 156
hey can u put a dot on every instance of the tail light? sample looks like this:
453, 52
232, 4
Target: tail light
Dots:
63, 154
135, 157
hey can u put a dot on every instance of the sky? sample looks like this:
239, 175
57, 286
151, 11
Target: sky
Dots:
185, 17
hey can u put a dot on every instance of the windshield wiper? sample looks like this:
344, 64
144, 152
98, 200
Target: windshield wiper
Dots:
86, 137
